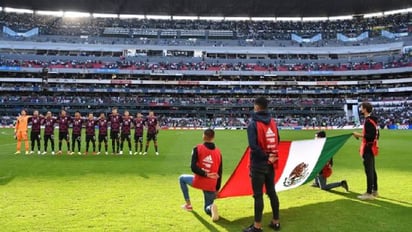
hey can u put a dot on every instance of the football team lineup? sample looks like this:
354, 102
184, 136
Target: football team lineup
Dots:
122, 193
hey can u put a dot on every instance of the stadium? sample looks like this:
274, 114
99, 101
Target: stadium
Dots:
200, 65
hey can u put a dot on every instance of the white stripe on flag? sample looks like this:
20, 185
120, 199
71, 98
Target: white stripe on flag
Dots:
304, 153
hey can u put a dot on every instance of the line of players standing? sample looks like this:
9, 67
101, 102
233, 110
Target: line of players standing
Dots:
120, 132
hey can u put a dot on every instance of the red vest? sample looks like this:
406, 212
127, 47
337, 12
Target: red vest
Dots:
209, 161
268, 138
374, 144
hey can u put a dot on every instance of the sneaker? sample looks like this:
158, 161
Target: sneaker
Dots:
187, 207
130, 153
366, 196
107, 153
140, 153
27, 153
17, 153
98, 153
31, 152
52, 152
44, 152
145, 153
135, 153
314, 184
345, 185
38, 152
121, 153
79, 153
274, 226
215, 214
375, 193
252, 228
157, 153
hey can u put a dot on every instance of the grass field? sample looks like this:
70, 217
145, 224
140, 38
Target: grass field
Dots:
141, 193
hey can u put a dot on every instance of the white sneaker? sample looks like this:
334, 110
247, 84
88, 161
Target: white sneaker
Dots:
17, 153
157, 153
121, 153
31, 152
135, 153
38, 152
107, 153
215, 214
145, 153
79, 153
366, 196
27, 153
52, 152
98, 153
44, 152
140, 153
130, 153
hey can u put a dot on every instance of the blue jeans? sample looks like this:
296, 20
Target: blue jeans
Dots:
321, 182
209, 197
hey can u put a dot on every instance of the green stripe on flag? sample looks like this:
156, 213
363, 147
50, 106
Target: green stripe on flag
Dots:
332, 145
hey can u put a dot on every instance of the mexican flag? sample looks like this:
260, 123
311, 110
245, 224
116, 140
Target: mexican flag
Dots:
299, 163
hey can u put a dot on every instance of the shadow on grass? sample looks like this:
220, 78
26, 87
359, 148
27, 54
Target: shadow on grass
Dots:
6, 179
207, 224
338, 215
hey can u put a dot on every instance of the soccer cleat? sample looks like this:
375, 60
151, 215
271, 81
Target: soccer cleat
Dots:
38, 152
52, 152
375, 193
274, 226
135, 153
145, 153
79, 153
27, 153
130, 153
215, 214
121, 153
107, 153
98, 153
345, 185
157, 153
17, 153
187, 207
31, 152
252, 228
140, 153
44, 152
366, 196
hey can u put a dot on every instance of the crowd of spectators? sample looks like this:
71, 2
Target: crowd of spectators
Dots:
243, 30
402, 61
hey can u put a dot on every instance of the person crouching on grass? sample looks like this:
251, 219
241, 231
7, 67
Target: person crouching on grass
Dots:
207, 168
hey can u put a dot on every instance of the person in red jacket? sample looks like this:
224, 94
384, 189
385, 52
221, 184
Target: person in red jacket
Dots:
326, 172
207, 168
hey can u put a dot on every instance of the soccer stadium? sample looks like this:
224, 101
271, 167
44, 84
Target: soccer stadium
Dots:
125, 91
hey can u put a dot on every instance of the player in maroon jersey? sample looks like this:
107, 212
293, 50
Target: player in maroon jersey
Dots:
64, 122
152, 130
138, 133
77, 123
49, 123
125, 132
35, 121
102, 124
115, 122
90, 133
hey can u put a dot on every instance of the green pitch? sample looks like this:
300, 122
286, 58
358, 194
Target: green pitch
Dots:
141, 193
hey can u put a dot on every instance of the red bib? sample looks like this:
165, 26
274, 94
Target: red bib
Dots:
209, 161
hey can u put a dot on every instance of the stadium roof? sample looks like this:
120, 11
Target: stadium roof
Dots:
249, 8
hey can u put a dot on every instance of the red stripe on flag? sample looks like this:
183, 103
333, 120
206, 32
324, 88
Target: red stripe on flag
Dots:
284, 147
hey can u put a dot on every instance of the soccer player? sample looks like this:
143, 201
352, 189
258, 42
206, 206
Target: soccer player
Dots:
152, 130
77, 133
138, 133
102, 124
20, 131
263, 138
90, 134
64, 122
207, 168
49, 123
125, 132
35, 131
115, 121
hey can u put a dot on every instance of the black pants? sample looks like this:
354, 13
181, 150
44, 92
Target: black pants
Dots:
35, 138
259, 178
46, 139
90, 139
369, 164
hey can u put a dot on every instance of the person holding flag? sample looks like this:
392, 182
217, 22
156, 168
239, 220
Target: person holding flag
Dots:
321, 178
368, 150
207, 168
20, 131
263, 138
